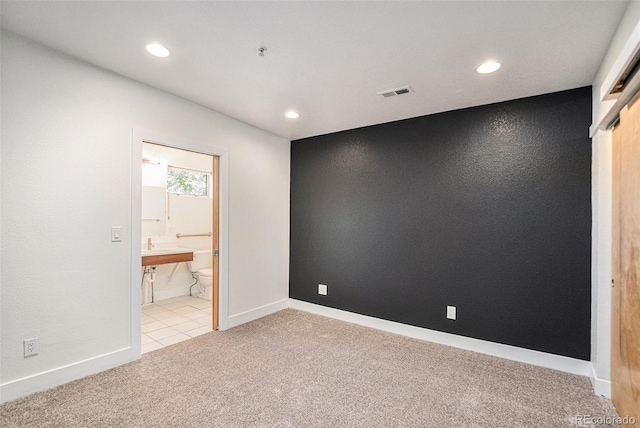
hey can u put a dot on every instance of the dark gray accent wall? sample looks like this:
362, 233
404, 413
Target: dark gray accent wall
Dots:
487, 209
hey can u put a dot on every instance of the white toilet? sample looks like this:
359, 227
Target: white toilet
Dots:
205, 279
201, 269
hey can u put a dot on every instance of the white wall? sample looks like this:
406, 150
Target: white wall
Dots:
601, 263
601, 200
66, 171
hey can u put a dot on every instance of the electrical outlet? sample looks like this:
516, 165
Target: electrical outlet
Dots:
30, 347
322, 289
451, 312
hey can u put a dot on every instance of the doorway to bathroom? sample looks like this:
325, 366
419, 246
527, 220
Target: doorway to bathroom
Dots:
179, 245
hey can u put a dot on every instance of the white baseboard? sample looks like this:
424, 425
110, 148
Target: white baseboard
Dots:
254, 314
601, 386
18, 388
537, 358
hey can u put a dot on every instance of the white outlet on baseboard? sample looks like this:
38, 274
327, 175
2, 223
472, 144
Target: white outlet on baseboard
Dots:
322, 289
31, 347
451, 312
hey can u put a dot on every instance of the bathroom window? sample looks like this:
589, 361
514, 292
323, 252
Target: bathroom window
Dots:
188, 182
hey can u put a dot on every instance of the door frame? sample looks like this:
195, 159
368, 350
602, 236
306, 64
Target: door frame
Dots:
139, 136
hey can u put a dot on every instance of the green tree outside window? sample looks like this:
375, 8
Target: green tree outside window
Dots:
184, 182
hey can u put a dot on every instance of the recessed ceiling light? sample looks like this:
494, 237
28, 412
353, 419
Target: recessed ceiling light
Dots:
292, 115
158, 50
488, 67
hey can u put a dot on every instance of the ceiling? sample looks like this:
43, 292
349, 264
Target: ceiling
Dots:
328, 60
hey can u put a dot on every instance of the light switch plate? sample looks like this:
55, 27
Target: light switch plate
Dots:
116, 234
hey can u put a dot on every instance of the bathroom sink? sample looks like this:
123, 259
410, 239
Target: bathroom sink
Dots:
165, 251
161, 256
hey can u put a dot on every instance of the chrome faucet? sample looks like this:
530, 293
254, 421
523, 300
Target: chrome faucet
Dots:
149, 244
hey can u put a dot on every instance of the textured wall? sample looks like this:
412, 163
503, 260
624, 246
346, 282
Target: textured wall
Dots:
66, 179
487, 209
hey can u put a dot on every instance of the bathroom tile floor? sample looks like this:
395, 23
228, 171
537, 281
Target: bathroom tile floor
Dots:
170, 321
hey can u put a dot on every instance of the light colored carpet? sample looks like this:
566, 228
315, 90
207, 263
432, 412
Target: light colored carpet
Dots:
294, 369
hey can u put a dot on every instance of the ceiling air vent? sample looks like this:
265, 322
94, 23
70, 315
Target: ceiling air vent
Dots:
397, 91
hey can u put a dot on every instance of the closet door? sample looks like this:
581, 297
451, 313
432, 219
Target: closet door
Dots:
625, 314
